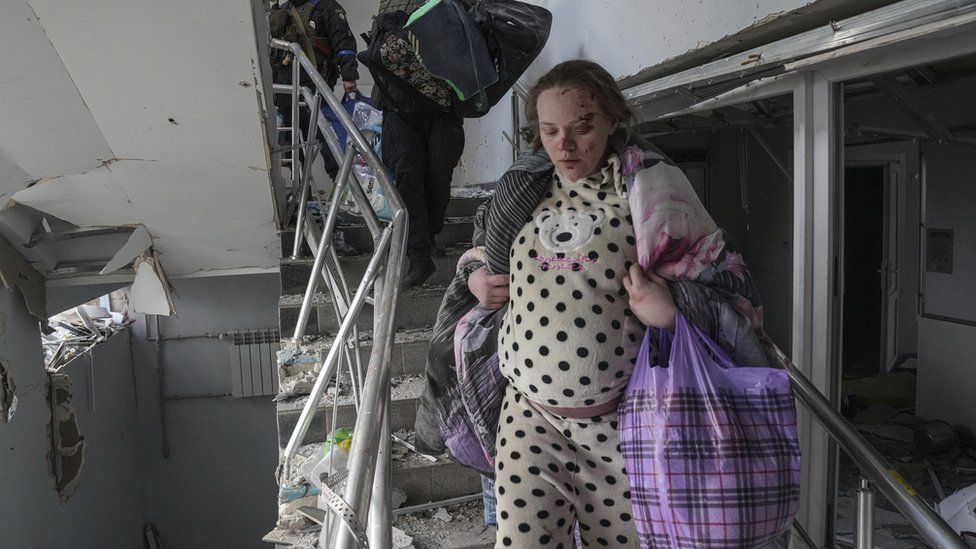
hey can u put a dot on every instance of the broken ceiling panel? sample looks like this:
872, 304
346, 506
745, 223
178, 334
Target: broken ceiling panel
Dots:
151, 292
12, 179
189, 163
47, 129
139, 241
202, 217
156, 115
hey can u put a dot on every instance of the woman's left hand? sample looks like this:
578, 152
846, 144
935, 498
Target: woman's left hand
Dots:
650, 298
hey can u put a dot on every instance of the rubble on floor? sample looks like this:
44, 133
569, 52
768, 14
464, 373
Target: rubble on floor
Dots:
464, 529
933, 458
75, 331
460, 525
402, 387
471, 191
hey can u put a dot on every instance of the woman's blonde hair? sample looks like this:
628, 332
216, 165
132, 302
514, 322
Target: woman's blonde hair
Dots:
579, 74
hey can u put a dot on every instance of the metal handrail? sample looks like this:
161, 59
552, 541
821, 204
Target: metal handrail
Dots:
518, 94
368, 486
874, 467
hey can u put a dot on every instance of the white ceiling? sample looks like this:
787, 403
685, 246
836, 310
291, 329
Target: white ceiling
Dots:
139, 111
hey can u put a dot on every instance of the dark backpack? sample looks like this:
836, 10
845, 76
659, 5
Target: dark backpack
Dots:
515, 33
291, 24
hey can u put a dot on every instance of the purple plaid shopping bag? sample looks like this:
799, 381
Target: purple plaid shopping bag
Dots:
710, 447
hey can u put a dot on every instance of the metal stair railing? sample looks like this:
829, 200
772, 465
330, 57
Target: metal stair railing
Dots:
365, 501
519, 95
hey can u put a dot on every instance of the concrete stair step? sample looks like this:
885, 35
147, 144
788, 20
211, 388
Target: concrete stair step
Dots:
455, 231
465, 529
294, 273
417, 309
421, 479
409, 355
403, 411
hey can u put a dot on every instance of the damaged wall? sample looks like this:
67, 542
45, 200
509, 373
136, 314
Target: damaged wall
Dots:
217, 488
110, 483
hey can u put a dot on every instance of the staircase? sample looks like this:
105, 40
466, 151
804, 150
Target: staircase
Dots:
417, 479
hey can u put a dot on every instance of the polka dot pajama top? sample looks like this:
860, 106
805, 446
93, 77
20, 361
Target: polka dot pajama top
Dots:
567, 346
569, 339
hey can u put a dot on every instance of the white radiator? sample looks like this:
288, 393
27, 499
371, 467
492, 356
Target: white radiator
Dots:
254, 363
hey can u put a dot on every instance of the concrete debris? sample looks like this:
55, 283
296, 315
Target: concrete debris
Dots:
288, 516
397, 498
466, 529
398, 451
405, 439
152, 292
76, 331
297, 372
471, 191
442, 515
893, 432
400, 539
67, 443
139, 241
959, 510
292, 538
8, 396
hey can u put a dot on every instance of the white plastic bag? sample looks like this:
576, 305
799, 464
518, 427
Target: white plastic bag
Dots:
370, 122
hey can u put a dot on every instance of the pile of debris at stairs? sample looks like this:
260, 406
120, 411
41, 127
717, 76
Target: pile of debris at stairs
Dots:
437, 502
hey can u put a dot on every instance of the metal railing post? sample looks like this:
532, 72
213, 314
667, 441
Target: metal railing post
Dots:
295, 131
864, 521
304, 169
320, 254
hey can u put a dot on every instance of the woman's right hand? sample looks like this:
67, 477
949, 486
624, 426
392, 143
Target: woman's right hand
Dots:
491, 290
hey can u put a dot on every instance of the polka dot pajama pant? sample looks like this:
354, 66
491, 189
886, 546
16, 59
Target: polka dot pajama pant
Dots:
551, 472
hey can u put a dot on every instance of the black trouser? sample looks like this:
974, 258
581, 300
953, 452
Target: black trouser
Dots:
422, 149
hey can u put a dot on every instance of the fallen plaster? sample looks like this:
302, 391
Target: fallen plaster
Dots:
17, 274
8, 397
139, 241
67, 443
151, 291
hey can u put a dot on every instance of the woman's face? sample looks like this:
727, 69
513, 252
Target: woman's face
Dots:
574, 130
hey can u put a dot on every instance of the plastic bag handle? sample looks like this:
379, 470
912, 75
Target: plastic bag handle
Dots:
686, 331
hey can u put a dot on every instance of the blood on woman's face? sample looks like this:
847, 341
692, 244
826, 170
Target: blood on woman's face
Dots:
574, 130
